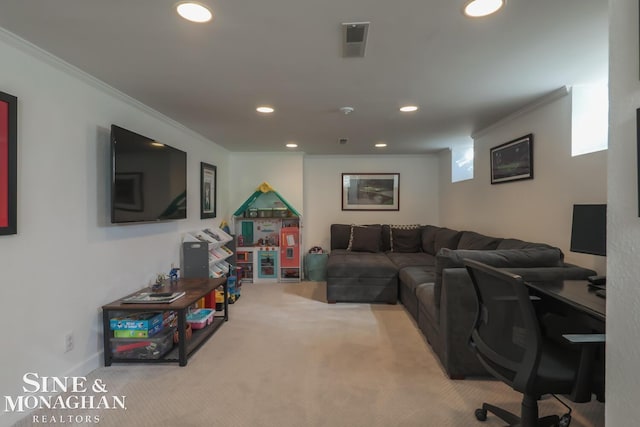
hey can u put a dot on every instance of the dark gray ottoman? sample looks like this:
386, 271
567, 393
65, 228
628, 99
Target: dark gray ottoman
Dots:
361, 277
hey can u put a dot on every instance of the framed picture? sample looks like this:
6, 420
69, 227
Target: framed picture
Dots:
8, 163
371, 192
128, 191
513, 160
207, 190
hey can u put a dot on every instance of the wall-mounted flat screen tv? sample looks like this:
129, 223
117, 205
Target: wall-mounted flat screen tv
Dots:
148, 179
589, 229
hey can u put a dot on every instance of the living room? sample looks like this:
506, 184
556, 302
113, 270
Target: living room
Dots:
67, 260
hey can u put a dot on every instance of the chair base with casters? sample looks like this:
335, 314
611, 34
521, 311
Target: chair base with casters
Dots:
529, 411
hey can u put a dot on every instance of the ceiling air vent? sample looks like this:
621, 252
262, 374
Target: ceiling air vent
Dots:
354, 38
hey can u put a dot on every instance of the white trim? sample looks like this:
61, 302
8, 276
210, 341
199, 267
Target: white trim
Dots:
61, 65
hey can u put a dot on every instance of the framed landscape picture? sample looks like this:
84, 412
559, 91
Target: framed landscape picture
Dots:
371, 192
8, 163
207, 190
513, 160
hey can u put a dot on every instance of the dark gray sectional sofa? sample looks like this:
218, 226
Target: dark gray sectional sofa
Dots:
421, 265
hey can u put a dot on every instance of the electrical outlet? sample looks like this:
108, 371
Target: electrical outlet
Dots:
68, 342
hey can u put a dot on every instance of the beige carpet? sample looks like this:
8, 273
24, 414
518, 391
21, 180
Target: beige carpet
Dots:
286, 358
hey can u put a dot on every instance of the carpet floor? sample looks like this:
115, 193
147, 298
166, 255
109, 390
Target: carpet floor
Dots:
286, 358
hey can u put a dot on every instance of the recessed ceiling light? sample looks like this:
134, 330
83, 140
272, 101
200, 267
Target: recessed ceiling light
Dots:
408, 108
380, 145
157, 144
292, 145
265, 109
194, 12
480, 8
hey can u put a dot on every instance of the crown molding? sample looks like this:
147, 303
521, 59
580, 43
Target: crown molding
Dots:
38, 53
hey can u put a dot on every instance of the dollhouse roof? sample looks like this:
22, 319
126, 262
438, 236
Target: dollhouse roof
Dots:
265, 192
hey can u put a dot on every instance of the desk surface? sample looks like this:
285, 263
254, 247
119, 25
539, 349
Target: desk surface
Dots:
575, 293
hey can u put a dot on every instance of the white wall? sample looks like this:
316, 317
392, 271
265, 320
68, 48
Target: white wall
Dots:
323, 192
536, 210
67, 260
623, 232
283, 171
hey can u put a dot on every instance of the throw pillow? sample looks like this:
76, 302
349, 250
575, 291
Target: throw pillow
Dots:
406, 238
364, 239
340, 235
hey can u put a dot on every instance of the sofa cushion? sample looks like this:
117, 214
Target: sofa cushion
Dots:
429, 238
412, 277
344, 263
364, 239
520, 244
421, 259
501, 258
425, 294
385, 244
406, 238
446, 238
473, 240
340, 234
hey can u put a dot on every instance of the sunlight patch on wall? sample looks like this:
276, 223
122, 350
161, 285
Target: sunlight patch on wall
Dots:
589, 118
462, 163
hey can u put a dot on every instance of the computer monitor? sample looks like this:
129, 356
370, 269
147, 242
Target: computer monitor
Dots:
589, 229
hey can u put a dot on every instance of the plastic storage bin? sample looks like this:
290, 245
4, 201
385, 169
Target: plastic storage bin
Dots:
316, 267
141, 321
200, 318
143, 348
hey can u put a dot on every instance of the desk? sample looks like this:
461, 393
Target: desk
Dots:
580, 306
575, 293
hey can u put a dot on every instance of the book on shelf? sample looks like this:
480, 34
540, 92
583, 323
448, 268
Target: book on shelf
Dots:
153, 298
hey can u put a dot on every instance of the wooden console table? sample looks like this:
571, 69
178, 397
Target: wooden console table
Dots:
194, 290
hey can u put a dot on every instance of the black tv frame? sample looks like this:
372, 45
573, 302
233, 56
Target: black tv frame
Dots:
589, 229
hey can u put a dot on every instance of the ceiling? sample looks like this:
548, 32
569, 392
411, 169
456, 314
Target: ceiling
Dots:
464, 74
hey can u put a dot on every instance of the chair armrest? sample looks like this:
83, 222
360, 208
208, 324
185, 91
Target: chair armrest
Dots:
585, 338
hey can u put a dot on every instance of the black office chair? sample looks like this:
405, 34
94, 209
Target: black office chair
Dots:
507, 340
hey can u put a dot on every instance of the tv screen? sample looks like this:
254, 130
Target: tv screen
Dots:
589, 229
148, 181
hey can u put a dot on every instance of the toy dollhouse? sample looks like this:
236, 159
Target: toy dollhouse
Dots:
267, 230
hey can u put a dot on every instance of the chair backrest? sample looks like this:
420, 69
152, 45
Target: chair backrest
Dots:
506, 336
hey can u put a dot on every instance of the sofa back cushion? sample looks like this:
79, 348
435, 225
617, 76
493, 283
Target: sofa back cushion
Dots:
385, 244
446, 238
340, 235
405, 238
429, 239
520, 244
501, 258
477, 241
